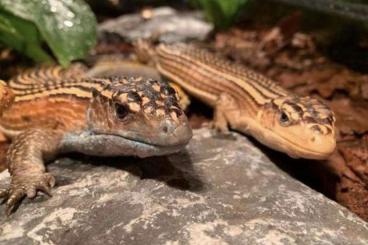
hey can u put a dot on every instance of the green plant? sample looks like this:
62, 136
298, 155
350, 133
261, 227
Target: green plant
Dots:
68, 27
221, 12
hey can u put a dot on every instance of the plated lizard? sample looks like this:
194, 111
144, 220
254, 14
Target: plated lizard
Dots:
245, 100
56, 111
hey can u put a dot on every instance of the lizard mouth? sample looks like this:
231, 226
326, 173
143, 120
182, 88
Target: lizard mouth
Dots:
311, 153
100, 144
297, 150
146, 142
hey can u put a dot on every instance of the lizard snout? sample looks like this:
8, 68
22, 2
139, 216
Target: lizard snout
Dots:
174, 133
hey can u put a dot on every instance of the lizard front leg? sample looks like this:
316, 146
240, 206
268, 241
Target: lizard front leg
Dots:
25, 161
224, 106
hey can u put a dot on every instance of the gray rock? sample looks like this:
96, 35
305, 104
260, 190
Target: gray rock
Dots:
218, 191
165, 24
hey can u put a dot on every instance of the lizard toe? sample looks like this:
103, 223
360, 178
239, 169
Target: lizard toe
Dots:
218, 128
28, 186
45, 189
4, 193
31, 192
44, 184
15, 196
50, 179
220, 131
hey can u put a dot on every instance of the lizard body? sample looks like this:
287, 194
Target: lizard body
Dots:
56, 110
247, 101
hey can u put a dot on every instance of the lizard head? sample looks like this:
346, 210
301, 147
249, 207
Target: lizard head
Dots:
301, 127
142, 114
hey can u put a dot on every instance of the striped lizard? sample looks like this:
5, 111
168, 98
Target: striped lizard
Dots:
56, 111
245, 100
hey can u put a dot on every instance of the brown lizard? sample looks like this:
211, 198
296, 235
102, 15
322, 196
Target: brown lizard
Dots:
56, 111
247, 101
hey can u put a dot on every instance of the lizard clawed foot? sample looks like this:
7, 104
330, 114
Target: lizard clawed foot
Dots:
26, 185
220, 131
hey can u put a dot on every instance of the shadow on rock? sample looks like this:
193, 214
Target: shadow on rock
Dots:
175, 170
313, 173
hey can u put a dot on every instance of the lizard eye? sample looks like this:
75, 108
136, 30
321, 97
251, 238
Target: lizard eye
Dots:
284, 119
121, 111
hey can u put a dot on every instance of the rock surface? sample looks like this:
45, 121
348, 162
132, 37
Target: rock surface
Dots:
164, 24
218, 191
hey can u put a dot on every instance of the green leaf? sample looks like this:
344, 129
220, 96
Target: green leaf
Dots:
68, 26
221, 12
22, 36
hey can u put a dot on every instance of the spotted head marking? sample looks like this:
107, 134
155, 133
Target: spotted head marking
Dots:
294, 110
145, 110
138, 95
302, 126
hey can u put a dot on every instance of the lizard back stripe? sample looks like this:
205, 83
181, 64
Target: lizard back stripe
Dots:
226, 66
257, 86
213, 78
81, 88
200, 82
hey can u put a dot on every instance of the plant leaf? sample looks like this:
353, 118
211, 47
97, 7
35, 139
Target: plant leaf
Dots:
22, 36
221, 12
68, 26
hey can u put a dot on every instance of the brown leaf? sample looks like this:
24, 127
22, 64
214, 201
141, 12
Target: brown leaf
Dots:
351, 117
356, 157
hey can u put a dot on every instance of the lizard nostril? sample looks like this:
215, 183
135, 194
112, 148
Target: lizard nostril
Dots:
168, 127
317, 129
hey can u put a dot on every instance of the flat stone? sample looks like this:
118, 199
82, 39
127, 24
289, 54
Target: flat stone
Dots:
164, 24
217, 191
